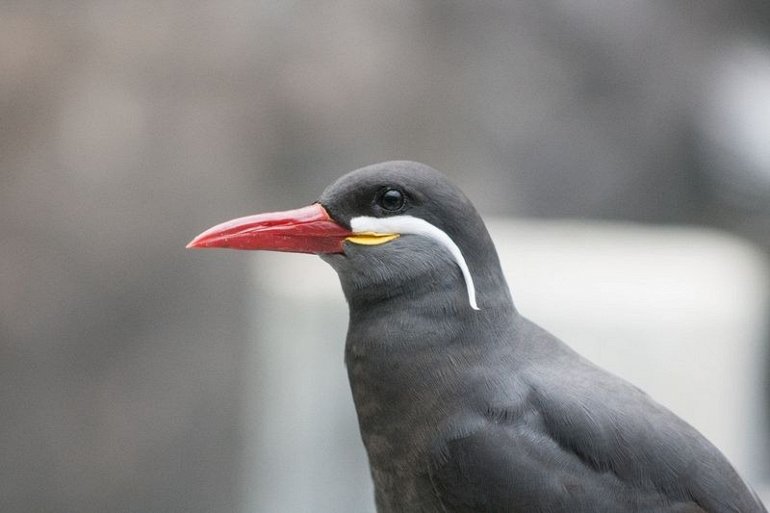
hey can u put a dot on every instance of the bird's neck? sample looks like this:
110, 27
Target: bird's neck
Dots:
402, 355
430, 282
423, 321
414, 337
425, 311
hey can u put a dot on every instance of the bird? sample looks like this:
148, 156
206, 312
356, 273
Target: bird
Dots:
463, 404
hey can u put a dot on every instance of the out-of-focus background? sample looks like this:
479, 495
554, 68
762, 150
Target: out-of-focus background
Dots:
127, 364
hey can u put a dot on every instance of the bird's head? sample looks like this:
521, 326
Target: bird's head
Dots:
390, 229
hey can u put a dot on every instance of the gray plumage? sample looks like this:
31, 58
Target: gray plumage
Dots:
483, 411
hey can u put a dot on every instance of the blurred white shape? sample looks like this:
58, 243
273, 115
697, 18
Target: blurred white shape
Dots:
736, 122
303, 452
679, 312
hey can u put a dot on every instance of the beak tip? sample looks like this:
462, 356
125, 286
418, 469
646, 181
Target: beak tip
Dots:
196, 243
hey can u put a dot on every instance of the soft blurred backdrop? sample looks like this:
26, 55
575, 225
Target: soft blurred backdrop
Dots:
128, 127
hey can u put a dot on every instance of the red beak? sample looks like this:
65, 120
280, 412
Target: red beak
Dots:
305, 230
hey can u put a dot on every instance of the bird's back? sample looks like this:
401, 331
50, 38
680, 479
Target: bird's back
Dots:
583, 441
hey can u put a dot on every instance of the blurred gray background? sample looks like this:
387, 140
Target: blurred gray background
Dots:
128, 127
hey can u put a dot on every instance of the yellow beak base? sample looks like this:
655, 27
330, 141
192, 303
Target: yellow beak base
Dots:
371, 238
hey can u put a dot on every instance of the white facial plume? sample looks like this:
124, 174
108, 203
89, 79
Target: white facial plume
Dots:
417, 226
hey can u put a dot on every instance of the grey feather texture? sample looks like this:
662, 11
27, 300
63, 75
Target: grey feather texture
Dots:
483, 411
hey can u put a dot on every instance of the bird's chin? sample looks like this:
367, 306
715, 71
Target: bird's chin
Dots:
351, 252
336, 260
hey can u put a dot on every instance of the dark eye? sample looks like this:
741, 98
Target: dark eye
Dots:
392, 199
